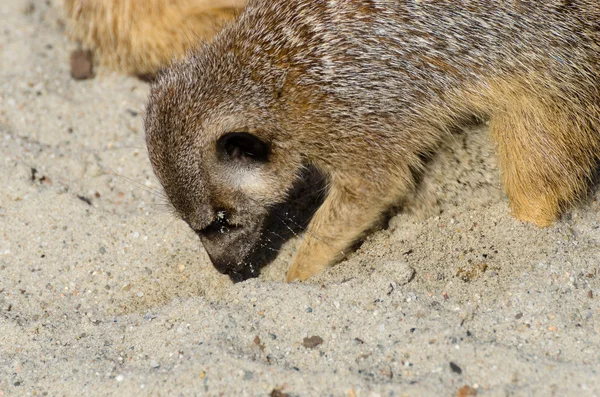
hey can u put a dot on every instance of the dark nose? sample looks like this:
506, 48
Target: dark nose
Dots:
224, 262
217, 228
228, 262
230, 247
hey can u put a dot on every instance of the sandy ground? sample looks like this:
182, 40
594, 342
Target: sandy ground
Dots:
103, 291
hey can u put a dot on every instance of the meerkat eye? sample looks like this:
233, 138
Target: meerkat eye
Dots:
242, 145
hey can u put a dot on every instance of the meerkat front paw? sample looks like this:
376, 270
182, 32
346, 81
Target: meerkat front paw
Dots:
348, 212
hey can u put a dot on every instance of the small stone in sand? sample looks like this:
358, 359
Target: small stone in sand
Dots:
312, 342
466, 391
278, 393
82, 67
474, 273
84, 199
261, 346
455, 368
401, 273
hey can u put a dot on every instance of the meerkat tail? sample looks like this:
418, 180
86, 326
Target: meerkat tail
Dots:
143, 36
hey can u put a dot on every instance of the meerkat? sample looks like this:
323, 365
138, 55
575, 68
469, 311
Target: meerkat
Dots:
140, 37
364, 90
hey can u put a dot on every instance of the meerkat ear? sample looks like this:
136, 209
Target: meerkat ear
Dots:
242, 146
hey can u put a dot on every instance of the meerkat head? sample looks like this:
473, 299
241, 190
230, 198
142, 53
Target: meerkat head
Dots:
222, 157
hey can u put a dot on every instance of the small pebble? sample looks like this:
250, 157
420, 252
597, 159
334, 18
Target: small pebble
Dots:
455, 368
82, 67
312, 342
399, 272
387, 372
120, 378
466, 391
278, 393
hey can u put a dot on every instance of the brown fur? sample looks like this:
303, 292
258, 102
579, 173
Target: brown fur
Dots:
141, 37
548, 147
363, 90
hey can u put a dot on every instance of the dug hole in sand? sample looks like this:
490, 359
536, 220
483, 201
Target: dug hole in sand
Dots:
104, 292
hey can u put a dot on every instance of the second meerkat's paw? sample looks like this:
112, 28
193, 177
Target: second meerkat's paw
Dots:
141, 37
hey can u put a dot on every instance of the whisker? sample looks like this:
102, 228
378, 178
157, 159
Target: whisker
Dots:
275, 234
306, 231
169, 225
156, 192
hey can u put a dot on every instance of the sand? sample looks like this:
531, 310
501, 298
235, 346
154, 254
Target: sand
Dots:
104, 292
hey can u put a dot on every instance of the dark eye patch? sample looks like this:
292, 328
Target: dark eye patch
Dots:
243, 146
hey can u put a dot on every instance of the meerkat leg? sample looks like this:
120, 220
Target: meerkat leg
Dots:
547, 154
348, 212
